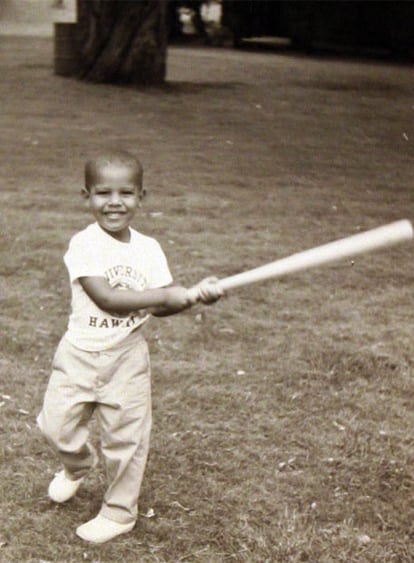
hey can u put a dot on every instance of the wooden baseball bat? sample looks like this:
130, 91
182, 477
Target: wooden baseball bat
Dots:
381, 237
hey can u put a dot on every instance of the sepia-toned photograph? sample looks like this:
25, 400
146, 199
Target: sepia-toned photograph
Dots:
206, 281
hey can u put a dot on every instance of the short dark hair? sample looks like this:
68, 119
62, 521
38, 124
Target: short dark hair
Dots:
118, 158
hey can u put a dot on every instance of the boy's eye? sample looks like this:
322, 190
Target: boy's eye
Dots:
122, 192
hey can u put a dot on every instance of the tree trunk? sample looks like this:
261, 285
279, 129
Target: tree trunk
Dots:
122, 41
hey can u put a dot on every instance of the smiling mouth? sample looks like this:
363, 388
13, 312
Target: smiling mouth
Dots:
114, 214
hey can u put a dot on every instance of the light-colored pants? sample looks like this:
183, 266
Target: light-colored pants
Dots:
114, 384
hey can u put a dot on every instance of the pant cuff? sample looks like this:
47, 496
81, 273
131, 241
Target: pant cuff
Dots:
120, 515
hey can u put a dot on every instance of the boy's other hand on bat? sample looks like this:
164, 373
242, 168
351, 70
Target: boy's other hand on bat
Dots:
207, 291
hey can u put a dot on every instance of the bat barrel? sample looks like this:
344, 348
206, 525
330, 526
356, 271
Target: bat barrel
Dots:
387, 235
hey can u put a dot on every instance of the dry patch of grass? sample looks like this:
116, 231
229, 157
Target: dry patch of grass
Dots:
282, 415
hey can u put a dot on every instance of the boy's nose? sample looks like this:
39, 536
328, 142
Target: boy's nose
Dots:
114, 199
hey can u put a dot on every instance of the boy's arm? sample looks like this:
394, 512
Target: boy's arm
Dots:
159, 302
165, 311
166, 300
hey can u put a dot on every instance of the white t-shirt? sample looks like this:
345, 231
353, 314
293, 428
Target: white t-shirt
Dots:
138, 264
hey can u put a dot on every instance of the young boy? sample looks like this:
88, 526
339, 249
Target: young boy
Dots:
118, 278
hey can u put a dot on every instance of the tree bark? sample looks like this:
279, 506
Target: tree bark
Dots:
122, 41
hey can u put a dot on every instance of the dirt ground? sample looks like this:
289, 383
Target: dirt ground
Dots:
282, 415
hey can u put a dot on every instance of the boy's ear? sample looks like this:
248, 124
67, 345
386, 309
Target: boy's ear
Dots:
85, 194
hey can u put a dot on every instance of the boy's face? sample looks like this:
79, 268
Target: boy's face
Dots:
114, 198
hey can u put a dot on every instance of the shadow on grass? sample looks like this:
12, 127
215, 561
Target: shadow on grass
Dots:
181, 87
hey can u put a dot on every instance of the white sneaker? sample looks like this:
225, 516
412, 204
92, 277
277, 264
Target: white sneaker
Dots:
101, 529
62, 488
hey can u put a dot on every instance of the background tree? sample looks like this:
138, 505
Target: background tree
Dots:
122, 41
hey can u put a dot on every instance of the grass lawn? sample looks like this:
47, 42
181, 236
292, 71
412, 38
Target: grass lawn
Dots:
283, 417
